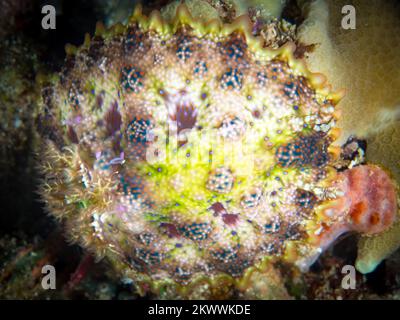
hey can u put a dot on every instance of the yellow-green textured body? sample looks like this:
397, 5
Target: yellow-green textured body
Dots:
186, 153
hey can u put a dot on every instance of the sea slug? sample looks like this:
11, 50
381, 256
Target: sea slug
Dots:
190, 156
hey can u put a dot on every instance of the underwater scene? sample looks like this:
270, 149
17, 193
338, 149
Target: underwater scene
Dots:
200, 149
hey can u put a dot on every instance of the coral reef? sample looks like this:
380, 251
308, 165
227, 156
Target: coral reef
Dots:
192, 158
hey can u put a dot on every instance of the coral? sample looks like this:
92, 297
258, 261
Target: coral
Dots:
198, 9
383, 147
365, 63
191, 157
113, 11
268, 9
374, 249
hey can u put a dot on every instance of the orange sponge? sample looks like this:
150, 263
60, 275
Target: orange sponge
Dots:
373, 199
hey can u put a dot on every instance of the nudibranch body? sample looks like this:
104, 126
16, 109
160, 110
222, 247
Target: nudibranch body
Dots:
188, 154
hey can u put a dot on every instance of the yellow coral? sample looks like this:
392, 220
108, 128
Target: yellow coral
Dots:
383, 148
372, 250
364, 62
198, 9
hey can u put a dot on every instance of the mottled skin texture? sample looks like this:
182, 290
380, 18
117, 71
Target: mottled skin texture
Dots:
187, 154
